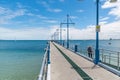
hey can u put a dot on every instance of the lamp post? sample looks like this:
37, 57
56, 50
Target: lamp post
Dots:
51, 37
97, 34
54, 36
67, 31
97, 31
57, 35
68, 17
60, 33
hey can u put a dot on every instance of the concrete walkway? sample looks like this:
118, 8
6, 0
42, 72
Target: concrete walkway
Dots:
95, 72
60, 68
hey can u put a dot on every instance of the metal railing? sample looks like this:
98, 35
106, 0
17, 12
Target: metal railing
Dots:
107, 57
44, 67
111, 58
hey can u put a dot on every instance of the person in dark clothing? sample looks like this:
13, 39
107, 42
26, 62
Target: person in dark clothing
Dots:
89, 50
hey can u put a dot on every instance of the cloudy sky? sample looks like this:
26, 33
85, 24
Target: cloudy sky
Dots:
39, 19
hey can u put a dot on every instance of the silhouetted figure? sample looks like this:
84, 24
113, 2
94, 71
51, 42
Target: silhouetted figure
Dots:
90, 52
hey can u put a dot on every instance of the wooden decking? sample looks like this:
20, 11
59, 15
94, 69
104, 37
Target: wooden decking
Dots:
61, 69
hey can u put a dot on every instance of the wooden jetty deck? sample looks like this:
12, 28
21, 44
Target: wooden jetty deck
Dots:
66, 65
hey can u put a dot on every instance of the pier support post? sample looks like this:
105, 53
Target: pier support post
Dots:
48, 52
63, 43
76, 48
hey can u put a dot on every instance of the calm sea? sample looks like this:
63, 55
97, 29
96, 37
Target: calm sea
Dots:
113, 45
21, 59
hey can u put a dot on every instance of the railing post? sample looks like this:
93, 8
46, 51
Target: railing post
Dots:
104, 58
63, 44
45, 67
76, 48
73, 47
102, 55
81, 51
109, 58
118, 60
48, 52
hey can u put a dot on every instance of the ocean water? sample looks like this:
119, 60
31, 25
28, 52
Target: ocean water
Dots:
21, 60
109, 49
112, 45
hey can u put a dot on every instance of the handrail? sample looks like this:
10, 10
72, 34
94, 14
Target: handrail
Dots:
109, 57
43, 70
109, 50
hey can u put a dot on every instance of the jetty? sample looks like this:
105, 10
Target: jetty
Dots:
65, 64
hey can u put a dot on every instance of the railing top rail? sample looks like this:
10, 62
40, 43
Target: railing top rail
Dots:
110, 50
43, 64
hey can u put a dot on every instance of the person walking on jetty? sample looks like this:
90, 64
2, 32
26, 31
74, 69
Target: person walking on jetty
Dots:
90, 52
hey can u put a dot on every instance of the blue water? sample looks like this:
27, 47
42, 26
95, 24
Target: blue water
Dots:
21, 60
103, 44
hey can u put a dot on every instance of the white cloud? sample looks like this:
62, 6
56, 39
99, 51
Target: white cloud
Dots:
115, 8
54, 10
41, 16
38, 16
104, 18
73, 17
80, 11
2, 10
103, 22
61, 0
109, 30
7, 14
47, 6
51, 21
57, 10
107, 4
19, 5
116, 12
24, 34
87, 33
17, 13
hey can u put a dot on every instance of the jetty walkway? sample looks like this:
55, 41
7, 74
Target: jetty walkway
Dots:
66, 65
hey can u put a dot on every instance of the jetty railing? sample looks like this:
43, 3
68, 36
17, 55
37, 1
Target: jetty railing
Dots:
107, 57
111, 58
44, 67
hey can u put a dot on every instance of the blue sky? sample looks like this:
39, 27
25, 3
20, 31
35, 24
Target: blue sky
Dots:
39, 19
